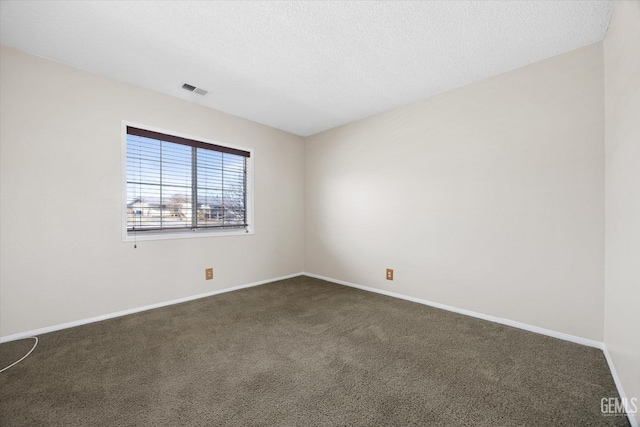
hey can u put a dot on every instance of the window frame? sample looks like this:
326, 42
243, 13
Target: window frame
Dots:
189, 233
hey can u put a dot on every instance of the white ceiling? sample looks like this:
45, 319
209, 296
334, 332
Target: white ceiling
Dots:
301, 66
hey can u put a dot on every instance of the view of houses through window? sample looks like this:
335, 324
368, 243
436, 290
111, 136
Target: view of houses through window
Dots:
172, 186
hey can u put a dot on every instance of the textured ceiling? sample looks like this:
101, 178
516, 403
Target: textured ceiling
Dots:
301, 66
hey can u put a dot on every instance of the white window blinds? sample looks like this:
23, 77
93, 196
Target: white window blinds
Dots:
176, 183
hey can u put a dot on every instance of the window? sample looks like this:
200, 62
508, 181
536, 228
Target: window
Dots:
176, 186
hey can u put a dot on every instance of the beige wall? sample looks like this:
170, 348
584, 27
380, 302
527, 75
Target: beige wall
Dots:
62, 258
487, 198
622, 194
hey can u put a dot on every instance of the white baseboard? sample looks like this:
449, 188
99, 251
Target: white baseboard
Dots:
513, 323
616, 379
53, 328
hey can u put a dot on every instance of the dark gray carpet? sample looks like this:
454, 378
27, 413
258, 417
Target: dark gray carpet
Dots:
302, 352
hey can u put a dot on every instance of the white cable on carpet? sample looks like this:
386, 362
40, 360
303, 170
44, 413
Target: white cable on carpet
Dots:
23, 357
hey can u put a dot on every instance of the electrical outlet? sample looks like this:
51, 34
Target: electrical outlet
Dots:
208, 274
389, 274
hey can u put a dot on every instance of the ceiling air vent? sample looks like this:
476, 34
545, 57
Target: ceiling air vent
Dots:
194, 89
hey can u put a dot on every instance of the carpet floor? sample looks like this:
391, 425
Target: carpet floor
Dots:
302, 352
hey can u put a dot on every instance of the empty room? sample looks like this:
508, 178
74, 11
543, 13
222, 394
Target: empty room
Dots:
320, 213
